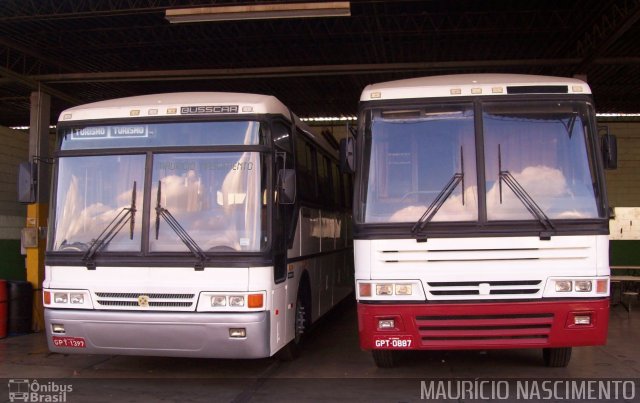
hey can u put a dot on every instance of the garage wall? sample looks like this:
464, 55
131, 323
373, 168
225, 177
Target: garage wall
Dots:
14, 148
623, 183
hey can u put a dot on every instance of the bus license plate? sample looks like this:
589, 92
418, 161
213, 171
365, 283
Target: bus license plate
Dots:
64, 341
397, 342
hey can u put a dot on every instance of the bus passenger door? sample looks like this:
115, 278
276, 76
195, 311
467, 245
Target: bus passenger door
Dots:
284, 296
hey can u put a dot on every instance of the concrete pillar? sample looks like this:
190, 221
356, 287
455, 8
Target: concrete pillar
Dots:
37, 213
39, 141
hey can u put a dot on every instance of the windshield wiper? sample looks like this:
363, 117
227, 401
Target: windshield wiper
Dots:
179, 230
111, 230
525, 198
442, 197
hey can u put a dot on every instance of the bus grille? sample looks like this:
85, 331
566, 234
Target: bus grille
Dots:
150, 295
158, 301
485, 288
484, 330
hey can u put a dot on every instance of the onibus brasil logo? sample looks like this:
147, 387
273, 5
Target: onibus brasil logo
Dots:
25, 390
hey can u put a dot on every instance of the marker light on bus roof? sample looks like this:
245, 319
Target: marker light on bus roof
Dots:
375, 95
476, 91
247, 109
66, 116
172, 111
497, 90
455, 91
576, 88
153, 112
134, 112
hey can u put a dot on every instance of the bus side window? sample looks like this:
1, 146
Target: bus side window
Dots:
324, 185
335, 186
305, 161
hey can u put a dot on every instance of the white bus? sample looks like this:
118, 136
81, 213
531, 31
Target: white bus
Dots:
481, 218
194, 225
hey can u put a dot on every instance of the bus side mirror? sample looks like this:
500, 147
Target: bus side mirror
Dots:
27, 172
610, 151
347, 161
286, 186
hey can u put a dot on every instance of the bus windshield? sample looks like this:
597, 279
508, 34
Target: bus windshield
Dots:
219, 199
544, 146
414, 153
423, 160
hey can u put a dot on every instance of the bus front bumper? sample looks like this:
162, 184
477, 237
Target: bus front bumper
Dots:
495, 325
171, 334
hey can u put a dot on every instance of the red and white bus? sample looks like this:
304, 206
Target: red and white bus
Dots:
480, 216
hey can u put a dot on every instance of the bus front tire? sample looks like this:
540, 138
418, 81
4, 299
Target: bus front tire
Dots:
384, 358
292, 350
556, 357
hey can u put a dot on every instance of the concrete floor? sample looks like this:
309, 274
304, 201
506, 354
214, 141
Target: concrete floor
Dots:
331, 368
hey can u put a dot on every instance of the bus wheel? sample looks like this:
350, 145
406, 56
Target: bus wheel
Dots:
292, 350
384, 358
556, 357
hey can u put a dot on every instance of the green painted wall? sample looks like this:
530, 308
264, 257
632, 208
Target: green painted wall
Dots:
11, 261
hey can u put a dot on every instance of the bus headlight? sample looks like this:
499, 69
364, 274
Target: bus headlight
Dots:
220, 301
583, 286
563, 286
60, 297
390, 290
76, 299
236, 300
577, 287
384, 289
403, 289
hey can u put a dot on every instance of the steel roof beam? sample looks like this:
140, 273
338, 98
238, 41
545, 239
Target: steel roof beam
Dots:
299, 71
622, 16
37, 86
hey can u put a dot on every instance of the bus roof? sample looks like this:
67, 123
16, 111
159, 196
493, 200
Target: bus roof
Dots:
177, 104
196, 104
460, 85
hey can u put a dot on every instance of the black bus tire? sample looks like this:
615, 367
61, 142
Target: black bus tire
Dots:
384, 358
556, 357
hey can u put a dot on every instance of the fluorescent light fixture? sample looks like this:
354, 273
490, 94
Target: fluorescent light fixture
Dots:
617, 115
329, 119
259, 12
